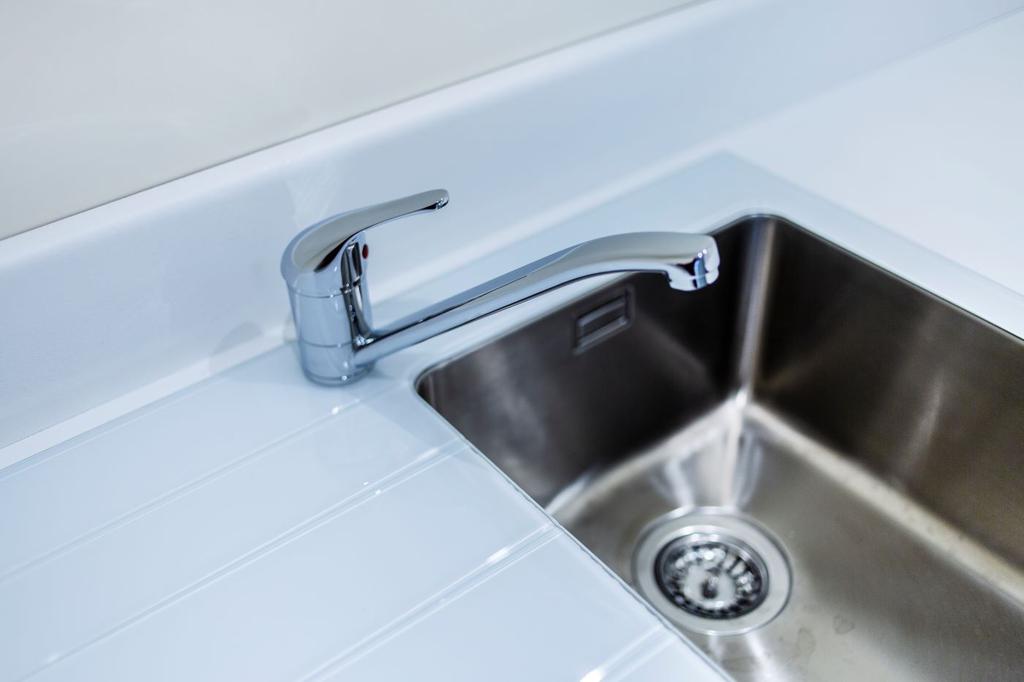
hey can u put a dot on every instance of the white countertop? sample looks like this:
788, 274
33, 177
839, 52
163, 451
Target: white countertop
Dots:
254, 526
257, 527
930, 147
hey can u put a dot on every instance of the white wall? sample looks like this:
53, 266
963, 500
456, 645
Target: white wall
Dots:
102, 98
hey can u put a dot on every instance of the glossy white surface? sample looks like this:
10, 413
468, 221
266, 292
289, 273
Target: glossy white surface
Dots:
352, 530
930, 147
255, 526
583, 647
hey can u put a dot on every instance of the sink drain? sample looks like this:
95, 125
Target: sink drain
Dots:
712, 572
711, 576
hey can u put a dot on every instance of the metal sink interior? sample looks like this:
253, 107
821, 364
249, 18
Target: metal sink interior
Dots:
870, 432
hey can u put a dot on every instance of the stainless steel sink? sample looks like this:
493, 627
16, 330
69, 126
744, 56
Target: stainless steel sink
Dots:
813, 468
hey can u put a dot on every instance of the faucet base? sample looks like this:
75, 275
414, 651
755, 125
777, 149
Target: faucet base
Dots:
330, 365
338, 380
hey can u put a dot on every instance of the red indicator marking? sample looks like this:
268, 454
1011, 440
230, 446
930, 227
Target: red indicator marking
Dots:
366, 251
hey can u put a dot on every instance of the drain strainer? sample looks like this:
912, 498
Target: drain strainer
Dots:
713, 576
712, 572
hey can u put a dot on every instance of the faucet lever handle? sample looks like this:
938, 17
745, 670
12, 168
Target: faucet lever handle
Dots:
316, 247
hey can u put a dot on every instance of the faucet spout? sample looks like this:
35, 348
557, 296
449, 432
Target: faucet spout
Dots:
327, 283
688, 261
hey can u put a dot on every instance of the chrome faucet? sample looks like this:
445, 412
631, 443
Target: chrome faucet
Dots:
325, 269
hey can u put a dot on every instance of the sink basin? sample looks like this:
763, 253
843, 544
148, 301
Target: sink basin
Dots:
814, 469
